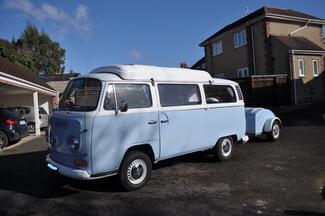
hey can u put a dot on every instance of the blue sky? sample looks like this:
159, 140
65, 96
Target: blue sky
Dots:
162, 33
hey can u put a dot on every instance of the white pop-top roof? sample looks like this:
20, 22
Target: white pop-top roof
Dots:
144, 72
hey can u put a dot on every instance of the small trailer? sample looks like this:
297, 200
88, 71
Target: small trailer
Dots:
260, 121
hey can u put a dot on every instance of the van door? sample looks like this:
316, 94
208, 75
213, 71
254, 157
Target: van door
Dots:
181, 118
114, 133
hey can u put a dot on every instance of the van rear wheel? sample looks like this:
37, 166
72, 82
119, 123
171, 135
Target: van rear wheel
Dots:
224, 148
135, 170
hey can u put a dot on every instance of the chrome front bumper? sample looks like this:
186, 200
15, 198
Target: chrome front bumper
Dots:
75, 173
67, 171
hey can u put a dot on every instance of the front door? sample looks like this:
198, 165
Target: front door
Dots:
114, 133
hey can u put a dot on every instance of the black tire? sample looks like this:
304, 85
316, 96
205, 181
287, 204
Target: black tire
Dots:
3, 140
31, 127
14, 141
275, 132
135, 170
224, 148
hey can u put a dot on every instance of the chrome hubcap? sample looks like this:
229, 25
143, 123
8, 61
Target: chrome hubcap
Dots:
226, 147
2, 141
276, 131
31, 128
137, 171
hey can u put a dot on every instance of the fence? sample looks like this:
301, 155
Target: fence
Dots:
265, 90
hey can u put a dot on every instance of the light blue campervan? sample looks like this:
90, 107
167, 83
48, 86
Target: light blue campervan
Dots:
121, 119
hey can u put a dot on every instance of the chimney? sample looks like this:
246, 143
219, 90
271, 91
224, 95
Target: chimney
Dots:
183, 65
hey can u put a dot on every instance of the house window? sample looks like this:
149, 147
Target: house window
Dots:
301, 67
217, 48
315, 68
243, 72
240, 38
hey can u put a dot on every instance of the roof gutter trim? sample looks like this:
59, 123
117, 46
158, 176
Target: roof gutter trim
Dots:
308, 51
28, 84
232, 30
278, 16
267, 15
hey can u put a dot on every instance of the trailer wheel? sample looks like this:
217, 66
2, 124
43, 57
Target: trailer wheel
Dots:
224, 148
135, 170
274, 134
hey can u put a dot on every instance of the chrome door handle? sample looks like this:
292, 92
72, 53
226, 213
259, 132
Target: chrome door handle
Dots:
167, 119
152, 122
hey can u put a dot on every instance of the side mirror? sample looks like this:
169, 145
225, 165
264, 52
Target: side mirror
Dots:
68, 103
123, 107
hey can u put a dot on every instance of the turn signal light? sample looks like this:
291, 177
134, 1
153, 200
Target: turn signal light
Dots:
80, 163
11, 122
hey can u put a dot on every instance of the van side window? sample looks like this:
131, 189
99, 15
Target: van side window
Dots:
136, 95
109, 101
219, 94
179, 94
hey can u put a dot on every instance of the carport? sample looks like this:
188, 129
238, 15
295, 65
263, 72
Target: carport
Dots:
19, 87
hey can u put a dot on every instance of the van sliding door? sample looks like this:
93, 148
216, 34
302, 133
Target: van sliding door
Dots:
181, 118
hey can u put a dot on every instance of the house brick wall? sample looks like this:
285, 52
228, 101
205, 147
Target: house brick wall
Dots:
283, 27
231, 58
303, 83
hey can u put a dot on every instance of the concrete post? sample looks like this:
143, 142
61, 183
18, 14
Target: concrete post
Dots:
36, 114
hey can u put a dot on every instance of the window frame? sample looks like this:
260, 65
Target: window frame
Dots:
98, 103
130, 110
181, 106
303, 69
221, 103
240, 38
217, 48
242, 70
117, 99
317, 67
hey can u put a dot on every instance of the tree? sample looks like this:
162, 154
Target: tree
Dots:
36, 51
9, 51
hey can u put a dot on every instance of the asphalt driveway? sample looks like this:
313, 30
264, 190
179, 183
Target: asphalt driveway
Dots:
282, 178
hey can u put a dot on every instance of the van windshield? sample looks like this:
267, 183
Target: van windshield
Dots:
81, 95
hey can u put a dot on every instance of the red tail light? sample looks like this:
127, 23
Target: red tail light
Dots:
11, 122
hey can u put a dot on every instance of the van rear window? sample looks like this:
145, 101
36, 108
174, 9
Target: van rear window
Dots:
219, 94
179, 94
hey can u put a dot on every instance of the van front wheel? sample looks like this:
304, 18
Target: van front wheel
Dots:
224, 148
135, 170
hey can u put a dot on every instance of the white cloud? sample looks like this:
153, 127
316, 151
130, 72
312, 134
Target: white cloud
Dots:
79, 20
52, 12
135, 55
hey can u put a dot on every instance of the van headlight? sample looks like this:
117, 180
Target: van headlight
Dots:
74, 144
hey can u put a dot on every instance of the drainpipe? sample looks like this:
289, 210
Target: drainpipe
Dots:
253, 49
305, 26
293, 77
